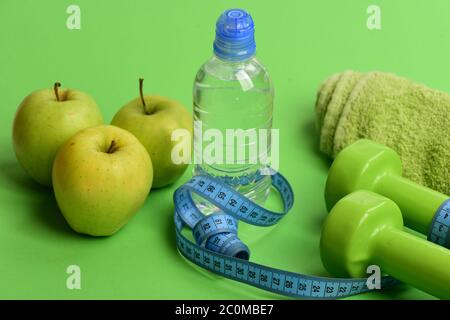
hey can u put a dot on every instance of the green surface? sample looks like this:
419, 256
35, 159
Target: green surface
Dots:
301, 43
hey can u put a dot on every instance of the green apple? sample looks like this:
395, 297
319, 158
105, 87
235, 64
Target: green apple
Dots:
101, 177
44, 121
152, 119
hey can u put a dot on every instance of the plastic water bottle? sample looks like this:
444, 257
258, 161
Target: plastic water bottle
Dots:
232, 91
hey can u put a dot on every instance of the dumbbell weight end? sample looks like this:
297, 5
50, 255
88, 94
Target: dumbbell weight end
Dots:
365, 228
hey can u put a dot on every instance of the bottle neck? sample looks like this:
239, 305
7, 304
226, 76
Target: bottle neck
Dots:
237, 50
234, 61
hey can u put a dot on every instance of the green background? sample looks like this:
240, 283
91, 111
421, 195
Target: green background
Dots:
300, 42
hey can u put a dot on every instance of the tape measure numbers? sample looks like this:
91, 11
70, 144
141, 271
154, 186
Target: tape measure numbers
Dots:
440, 226
218, 248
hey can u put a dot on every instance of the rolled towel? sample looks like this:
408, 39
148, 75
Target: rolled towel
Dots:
411, 118
344, 87
324, 96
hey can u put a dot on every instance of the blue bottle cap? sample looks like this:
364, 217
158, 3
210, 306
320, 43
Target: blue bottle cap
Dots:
235, 39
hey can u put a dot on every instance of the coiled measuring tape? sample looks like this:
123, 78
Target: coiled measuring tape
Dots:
217, 247
440, 226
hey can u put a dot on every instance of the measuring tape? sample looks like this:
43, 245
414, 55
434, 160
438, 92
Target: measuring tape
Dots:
440, 226
217, 247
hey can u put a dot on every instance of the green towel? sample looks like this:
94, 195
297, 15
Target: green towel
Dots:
324, 96
343, 89
411, 118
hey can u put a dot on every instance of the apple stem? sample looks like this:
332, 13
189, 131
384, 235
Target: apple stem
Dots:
141, 93
55, 88
112, 147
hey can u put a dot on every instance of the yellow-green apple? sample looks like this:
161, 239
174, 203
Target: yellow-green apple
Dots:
153, 119
101, 177
44, 121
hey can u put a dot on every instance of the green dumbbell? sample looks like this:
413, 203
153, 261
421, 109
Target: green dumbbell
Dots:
371, 166
365, 228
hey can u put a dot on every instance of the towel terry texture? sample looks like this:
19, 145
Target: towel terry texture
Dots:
411, 118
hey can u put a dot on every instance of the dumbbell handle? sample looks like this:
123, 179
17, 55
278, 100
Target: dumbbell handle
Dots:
413, 260
419, 204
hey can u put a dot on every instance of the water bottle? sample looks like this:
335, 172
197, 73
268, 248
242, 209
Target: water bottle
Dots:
233, 92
